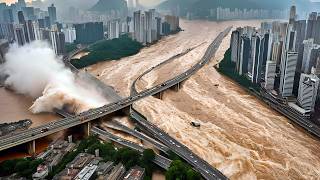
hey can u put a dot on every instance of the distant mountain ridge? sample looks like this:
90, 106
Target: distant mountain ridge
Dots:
106, 5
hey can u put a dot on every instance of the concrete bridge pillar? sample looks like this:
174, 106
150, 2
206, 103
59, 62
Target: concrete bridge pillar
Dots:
159, 95
32, 147
177, 87
87, 128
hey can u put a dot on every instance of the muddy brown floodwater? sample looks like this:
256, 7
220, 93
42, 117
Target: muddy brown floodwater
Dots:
239, 135
15, 107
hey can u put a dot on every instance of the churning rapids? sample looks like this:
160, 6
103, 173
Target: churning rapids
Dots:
239, 135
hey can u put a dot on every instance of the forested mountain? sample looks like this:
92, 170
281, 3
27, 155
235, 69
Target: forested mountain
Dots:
106, 5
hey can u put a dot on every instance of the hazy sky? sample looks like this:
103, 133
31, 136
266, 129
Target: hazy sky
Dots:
145, 2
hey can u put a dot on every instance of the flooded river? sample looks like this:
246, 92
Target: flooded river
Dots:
239, 135
15, 107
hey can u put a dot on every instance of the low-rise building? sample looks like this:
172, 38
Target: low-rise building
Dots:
103, 169
117, 172
42, 172
135, 173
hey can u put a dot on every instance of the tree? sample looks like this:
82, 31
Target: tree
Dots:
182, 171
148, 156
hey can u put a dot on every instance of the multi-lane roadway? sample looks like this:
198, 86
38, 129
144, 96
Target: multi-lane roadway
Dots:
290, 114
159, 160
206, 170
115, 125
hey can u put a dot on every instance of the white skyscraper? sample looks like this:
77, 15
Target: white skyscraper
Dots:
256, 61
288, 69
113, 29
308, 90
270, 74
70, 34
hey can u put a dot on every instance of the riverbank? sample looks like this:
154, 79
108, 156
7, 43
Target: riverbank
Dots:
108, 50
227, 68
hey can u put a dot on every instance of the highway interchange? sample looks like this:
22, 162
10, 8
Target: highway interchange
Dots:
203, 167
115, 125
159, 160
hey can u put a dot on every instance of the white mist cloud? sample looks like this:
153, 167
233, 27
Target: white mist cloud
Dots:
35, 70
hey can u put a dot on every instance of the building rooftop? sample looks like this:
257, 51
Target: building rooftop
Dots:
135, 173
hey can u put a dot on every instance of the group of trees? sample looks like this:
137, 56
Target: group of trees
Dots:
108, 50
227, 68
24, 167
181, 170
70, 47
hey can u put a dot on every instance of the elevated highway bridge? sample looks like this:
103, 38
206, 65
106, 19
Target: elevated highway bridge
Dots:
30, 135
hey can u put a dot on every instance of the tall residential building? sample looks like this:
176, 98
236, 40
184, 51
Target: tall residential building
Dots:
30, 30
29, 13
37, 31
149, 22
308, 91
165, 28
270, 74
70, 34
300, 28
113, 29
256, 68
137, 26
288, 69
41, 23
143, 29
8, 15
276, 52
235, 46
173, 21
47, 22
52, 13
245, 55
91, 32
266, 48
290, 39
19, 34
7, 32
293, 14
159, 27
310, 55
58, 42
313, 27
4, 46
317, 68
21, 17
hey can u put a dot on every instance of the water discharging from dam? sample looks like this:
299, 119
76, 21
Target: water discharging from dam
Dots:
239, 135
35, 71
